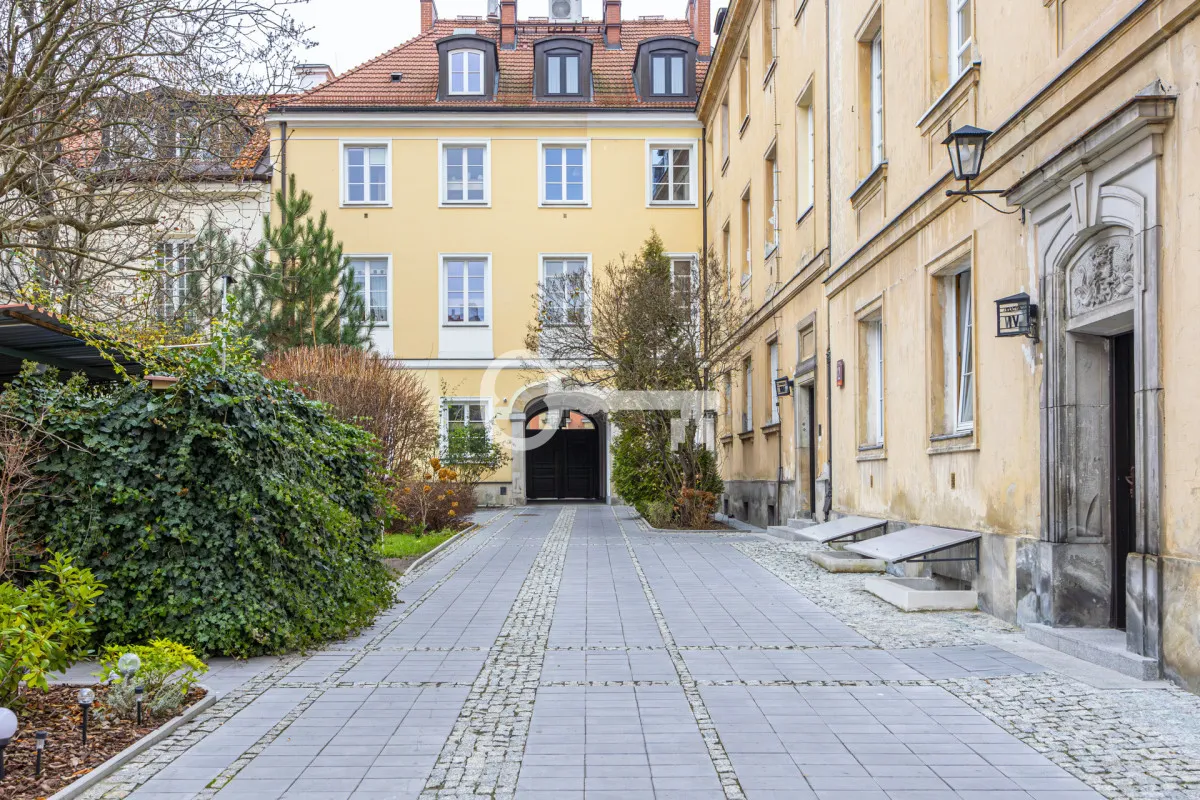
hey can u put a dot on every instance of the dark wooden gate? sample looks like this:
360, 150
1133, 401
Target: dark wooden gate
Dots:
567, 467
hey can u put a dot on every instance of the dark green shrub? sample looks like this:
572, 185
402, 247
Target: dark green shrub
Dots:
635, 476
227, 513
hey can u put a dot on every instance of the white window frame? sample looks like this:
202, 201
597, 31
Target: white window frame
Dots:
587, 270
873, 434
806, 184
960, 325
466, 52
443, 184
959, 46
586, 144
175, 250
772, 243
773, 356
344, 174
672, 144
444, 416
877, 99
443, 306
387, 259
727, 233
748, 392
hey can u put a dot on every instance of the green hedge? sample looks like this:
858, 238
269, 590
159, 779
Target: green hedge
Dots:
227, 513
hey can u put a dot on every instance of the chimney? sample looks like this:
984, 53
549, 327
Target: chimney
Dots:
508, 24
612, 24
700, 21
310, 76
428, 15
493, 10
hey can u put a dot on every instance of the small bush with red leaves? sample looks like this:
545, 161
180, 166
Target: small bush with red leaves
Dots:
695, 507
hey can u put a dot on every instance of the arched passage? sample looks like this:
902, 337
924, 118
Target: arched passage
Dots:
564, 454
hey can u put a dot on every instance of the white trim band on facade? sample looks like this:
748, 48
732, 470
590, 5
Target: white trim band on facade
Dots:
433, 119
479, 363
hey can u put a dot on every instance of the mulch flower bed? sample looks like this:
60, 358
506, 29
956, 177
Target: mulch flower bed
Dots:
65, 759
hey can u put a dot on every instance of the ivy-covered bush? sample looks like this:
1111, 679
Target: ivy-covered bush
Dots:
227, 513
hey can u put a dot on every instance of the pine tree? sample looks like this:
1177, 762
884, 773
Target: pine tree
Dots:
299, 291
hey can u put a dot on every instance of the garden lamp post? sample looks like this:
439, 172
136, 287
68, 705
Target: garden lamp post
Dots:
137, 695
8, 729
40, 737
86, 698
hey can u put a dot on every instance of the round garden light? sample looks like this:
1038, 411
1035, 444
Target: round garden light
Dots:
128, 665
8, 729
86, 698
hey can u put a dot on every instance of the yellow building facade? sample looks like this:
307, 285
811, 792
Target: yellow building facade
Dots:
454, 208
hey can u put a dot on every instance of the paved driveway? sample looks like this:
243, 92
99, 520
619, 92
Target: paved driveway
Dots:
564, 652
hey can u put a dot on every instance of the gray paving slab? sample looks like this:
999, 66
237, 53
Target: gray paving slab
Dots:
568, 652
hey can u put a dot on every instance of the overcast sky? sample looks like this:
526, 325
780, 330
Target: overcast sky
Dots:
350, 32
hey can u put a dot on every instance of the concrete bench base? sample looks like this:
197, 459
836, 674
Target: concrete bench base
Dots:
1103, 647
841, 561
921, 594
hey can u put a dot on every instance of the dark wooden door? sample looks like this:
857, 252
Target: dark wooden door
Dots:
1124, 521
566, 467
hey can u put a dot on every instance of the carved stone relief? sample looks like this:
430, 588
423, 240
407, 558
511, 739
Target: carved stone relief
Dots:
1102, 274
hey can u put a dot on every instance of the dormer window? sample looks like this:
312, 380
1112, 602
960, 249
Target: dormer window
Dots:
562, 72
563, 69
466, 72
665, 69
666, 73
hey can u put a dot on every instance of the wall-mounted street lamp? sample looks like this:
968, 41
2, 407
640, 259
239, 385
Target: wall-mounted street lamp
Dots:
783, 386
966, 147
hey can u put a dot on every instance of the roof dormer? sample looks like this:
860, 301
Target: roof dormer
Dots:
467, 67
665, 68
562, 69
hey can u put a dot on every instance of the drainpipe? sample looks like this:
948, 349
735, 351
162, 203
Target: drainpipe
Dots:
283, 157
704, 244
828, 249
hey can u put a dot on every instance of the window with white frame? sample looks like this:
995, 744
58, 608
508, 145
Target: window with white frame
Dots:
877, 100
872, 397
960, 37
748, 383
683, 281
667, 70
773, 352
370, 276
725, 131
466, 72
747, 255
806, 155
465, 426
771, 201
727, 410
173, 258
770, 37
466, 290
727, 236
564, 290
366, 173
564, 174
671, 174
562, 72
959, 361
465, 173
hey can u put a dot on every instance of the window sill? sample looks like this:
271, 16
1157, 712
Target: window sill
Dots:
453, 204
770, 429
957, 442
725, 166
871, 452
934, 118
745, 435
745, 125
353, 204
557, 204
726, 438
466, 324
671, 204
800, 12
805, 214
770, 73
772, 250
869, 186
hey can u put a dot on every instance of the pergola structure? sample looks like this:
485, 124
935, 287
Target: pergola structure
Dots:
28, 333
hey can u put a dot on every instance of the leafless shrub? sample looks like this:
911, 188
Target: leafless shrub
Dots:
393, 404
22, 448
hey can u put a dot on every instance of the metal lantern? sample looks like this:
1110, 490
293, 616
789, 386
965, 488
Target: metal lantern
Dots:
966, 146
1016, 316
783, 386
40, 740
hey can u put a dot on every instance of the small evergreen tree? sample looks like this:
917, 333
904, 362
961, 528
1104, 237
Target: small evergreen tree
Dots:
299, 291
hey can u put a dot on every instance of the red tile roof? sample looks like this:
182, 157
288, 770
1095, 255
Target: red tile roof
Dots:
371, 86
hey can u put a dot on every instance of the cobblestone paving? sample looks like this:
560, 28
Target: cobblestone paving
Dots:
564, 653
1125, 743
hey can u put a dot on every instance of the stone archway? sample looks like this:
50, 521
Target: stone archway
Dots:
1094, 220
